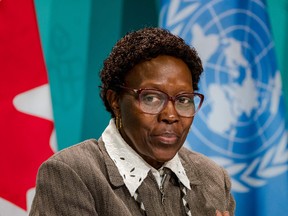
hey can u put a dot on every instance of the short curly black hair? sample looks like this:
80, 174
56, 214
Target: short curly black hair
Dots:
142, 45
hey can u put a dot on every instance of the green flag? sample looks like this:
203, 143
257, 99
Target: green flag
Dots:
278, 11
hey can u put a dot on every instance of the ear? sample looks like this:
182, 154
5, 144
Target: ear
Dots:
113, 100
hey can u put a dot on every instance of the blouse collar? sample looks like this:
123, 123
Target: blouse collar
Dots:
131, 166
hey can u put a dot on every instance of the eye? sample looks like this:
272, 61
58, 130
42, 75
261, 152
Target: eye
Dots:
185, 101
151, 98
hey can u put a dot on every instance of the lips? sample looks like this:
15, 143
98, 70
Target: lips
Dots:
167, 138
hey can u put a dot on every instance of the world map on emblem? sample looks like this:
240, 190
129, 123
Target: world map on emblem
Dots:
241, 118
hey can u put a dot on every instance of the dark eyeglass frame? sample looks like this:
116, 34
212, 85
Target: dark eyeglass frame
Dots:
137, 92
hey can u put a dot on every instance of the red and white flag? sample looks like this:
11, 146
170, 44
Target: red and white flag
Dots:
26, 125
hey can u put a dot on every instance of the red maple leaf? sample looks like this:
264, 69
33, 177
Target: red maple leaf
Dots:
24, 138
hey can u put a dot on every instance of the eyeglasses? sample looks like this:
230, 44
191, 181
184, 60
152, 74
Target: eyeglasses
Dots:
153, 101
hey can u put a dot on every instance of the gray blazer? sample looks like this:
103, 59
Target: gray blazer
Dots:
83, 180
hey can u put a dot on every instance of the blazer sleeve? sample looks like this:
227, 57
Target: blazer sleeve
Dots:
230, 202
60, 191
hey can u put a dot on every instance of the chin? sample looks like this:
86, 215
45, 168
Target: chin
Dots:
165, 156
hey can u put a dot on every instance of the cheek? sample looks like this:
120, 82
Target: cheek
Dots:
136, 128
129, 112
186, 125
135, 122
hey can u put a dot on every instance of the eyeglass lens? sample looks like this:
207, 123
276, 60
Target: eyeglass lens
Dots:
153, 102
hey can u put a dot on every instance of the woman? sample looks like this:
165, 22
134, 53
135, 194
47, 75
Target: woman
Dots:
138, 166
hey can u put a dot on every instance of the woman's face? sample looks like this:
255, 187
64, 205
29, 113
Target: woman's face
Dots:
156, 137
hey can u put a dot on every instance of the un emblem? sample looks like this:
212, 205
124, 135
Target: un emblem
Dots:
241, 125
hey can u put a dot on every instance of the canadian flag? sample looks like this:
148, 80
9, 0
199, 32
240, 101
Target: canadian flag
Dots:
26, 125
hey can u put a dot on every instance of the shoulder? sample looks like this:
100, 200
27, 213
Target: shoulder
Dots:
82, 156
197, 159
86, 148
203, 168
208, 179
85, 162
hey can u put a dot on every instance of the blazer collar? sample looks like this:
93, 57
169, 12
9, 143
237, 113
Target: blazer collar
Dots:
114, 176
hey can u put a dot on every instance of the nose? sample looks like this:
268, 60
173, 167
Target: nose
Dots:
169, 114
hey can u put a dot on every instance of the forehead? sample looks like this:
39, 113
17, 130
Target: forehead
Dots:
161, 72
